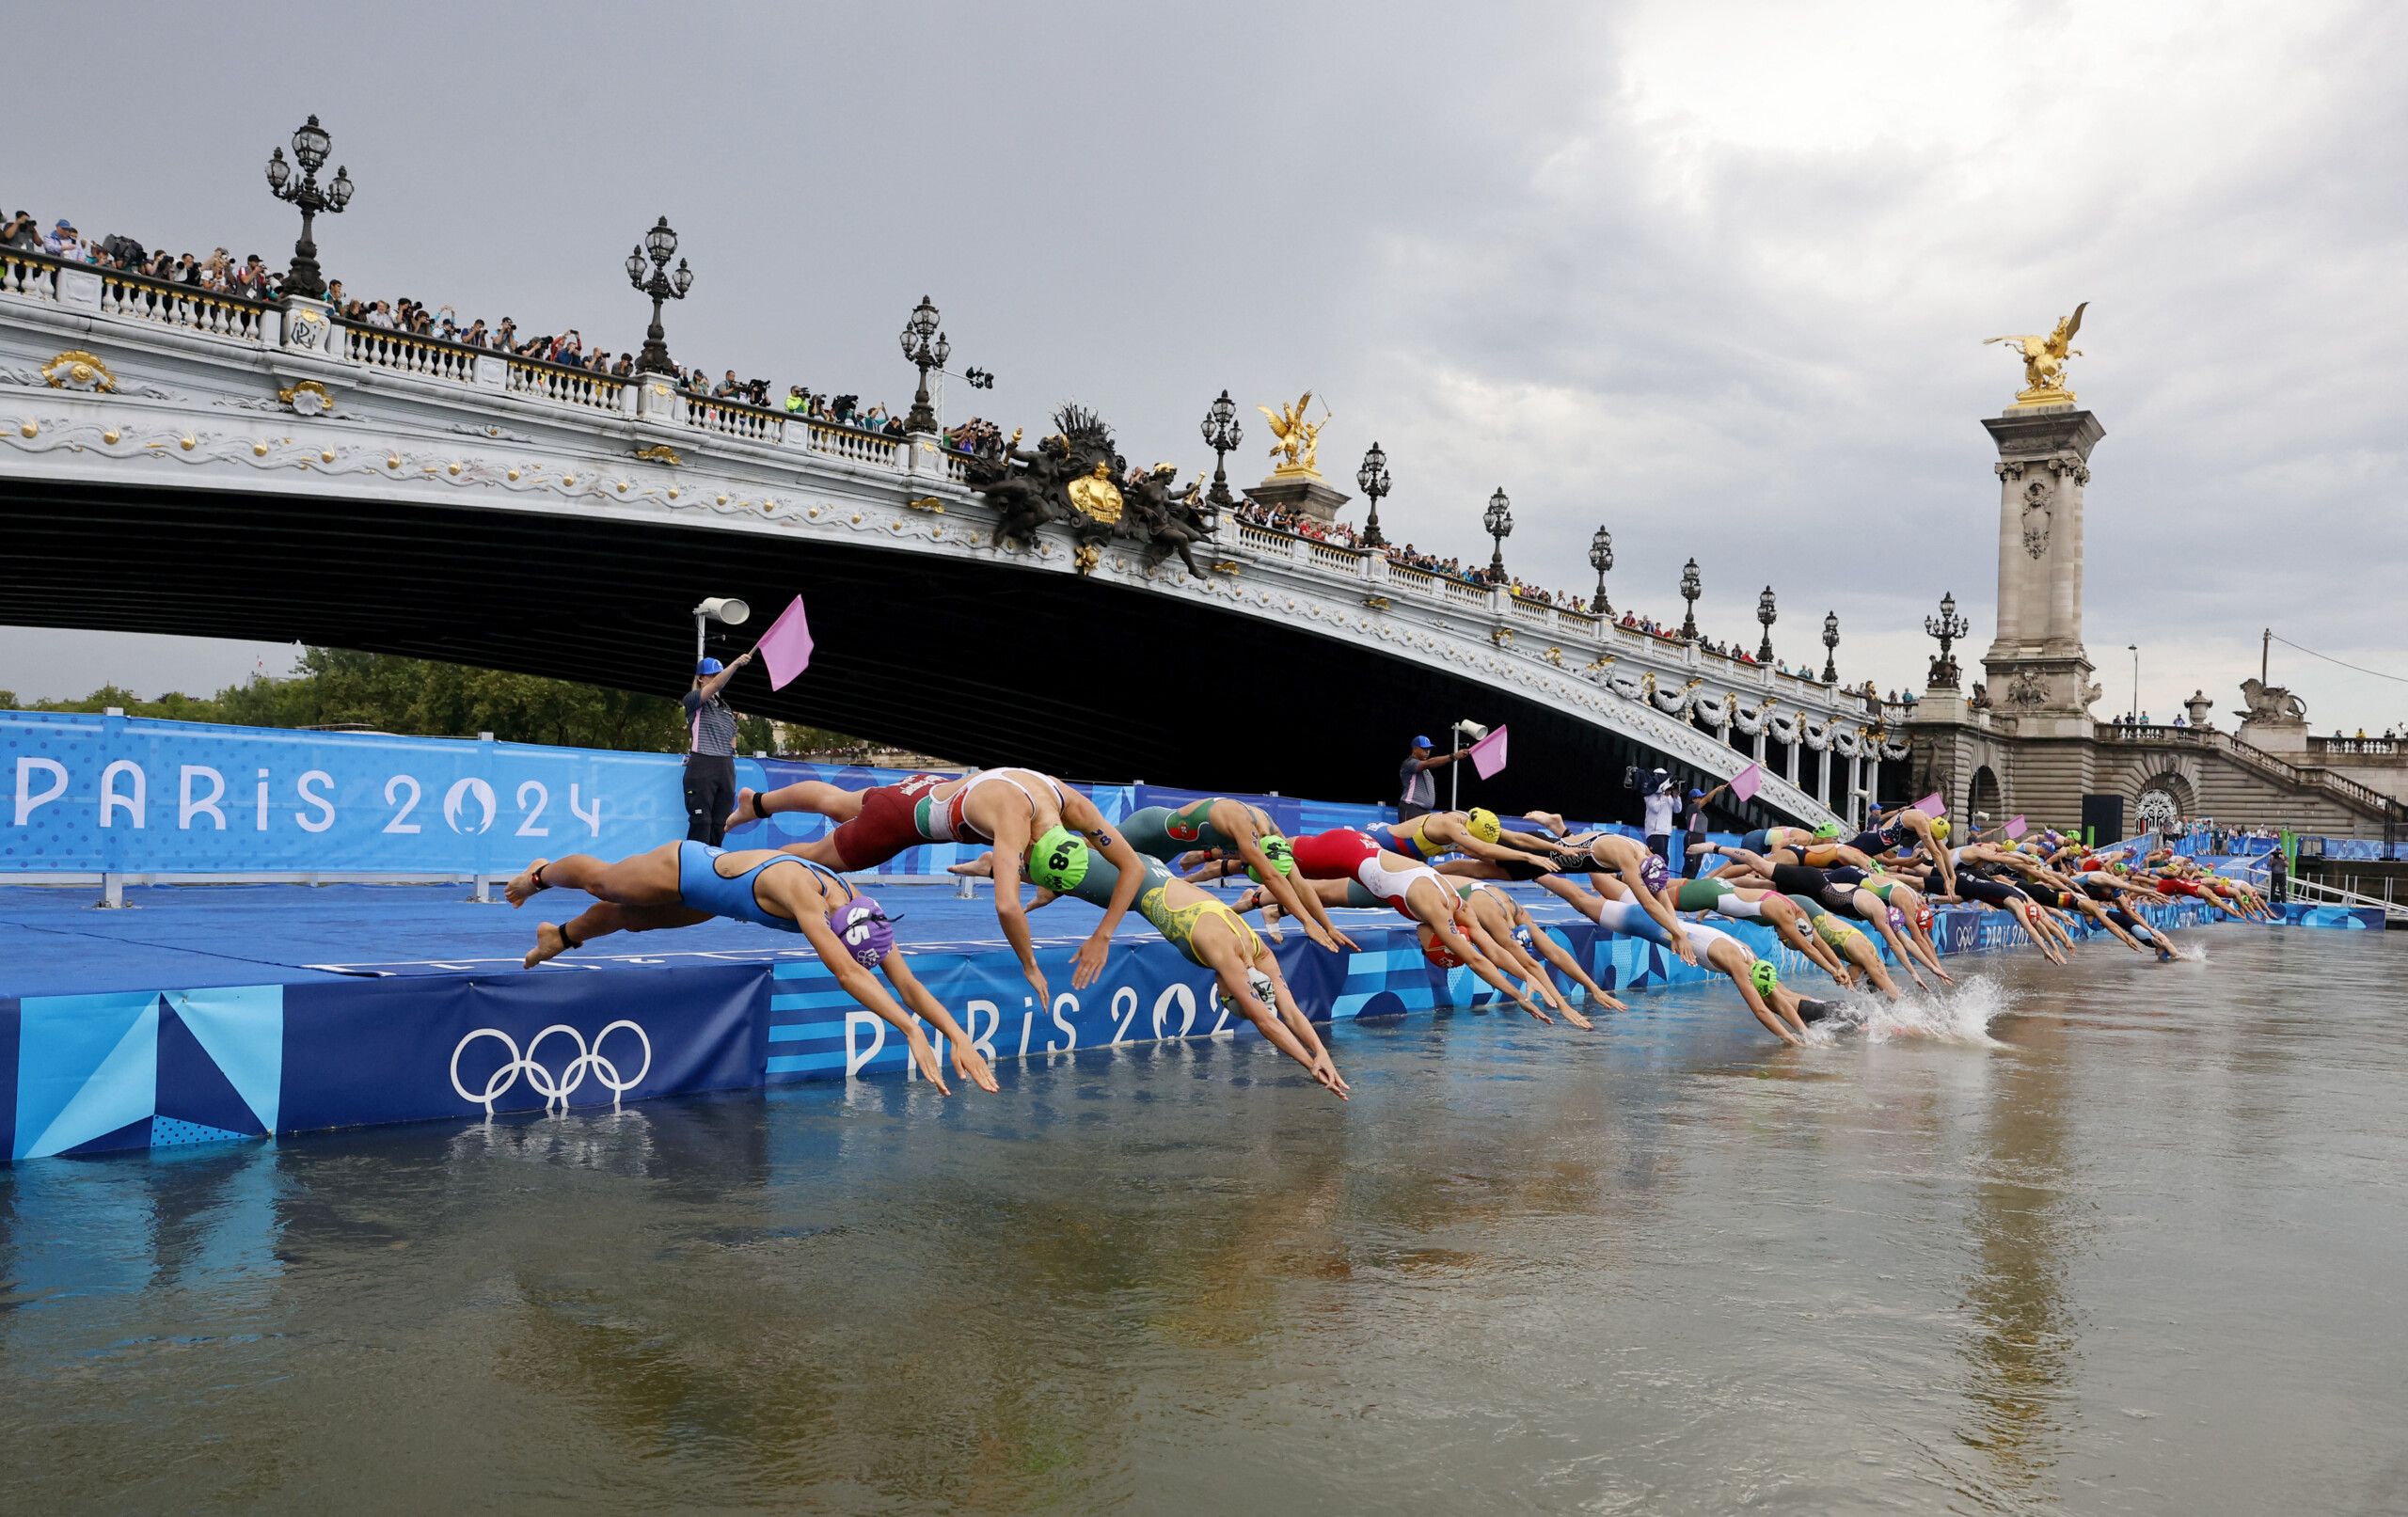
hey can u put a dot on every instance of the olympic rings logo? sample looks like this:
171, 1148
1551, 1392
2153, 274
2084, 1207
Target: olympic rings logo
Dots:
554, 1089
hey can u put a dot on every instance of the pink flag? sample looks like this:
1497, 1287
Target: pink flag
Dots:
1745, 783
787, 646
2015, 828
1931, 805
1488, 754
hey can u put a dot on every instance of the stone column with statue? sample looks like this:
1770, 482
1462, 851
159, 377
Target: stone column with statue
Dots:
2040, 672
1295, 482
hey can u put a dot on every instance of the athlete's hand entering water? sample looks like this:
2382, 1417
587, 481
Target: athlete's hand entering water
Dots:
969, 1064
925, 1055
1087, 964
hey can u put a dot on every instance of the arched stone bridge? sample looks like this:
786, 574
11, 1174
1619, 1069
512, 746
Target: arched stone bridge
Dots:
178, 462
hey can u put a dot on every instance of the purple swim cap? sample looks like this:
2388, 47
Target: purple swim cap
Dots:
867, 932
1898, 919
1654, 871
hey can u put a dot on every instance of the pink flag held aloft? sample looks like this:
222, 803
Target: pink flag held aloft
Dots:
1745, 783
1488, 754
787, 646
2015, 828
1931, 805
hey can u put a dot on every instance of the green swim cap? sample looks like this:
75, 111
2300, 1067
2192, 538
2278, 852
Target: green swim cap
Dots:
1827, 831
1764, 976
1281, 854
1058, 860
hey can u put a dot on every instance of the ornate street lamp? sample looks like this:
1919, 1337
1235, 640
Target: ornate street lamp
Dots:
1947, 626
1831, 647
1499, 519
1372, 480
1222, 435
1690, 591
660, 244
1765, 614
310, 147
1601, 557
927, 347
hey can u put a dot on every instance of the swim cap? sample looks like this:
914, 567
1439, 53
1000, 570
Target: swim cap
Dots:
1939, 829
1058, 860
1484, 825
1924, 916
1282, 855
865, 930
1762, 977
1654, 871
1897, 918
1435, 949
1522, 936
1255, 981
1829, 829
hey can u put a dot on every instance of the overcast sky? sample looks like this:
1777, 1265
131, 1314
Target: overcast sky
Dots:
1714, 276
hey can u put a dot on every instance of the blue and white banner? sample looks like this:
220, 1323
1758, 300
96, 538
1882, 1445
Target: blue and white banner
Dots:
133, 796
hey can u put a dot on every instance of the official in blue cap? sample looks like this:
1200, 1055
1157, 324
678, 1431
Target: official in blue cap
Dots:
710, 750
1420, 792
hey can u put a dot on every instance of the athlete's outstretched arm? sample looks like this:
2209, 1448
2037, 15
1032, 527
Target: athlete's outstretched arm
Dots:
1665, 917
967, 1061
1221, 951
1080, 815
1562, 958
863, 987
1303, 907
1507, 956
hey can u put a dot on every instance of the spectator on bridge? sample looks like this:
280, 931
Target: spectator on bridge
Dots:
21, 234
1419, 791
710, 756
626, 368
794, 399
61, 241
727, 388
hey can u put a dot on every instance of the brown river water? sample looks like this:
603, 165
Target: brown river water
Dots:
2123, 1237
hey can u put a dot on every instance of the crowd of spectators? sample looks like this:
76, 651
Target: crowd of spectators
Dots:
252, 278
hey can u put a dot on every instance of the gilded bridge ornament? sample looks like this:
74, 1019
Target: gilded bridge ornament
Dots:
1299, 440
2044, 360
78, 370
308, 398
1095, 495
659, 452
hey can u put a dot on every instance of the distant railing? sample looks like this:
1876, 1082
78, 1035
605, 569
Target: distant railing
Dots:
1345, 560
1531, 611
2364, 746
184, 305
1420, 580
854, 447
540, 379
28, 274
408, 352
1457, 590
733, 419
1265, 539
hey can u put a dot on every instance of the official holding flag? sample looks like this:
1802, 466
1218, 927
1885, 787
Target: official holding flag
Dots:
710, 752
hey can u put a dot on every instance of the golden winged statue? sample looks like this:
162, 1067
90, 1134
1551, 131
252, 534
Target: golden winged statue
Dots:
2044, 360
1299, 439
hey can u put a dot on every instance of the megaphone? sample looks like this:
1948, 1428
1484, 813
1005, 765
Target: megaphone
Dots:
1474, 729
724, 608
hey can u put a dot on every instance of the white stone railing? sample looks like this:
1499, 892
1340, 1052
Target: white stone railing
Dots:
566, 387
376, 347
854, 447
23, 273
733, 419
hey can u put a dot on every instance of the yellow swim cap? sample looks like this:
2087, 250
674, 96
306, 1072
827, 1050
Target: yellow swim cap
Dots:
1484, 825
1939, 829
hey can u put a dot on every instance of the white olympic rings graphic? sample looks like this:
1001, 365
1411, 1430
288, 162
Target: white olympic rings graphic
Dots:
555, 1090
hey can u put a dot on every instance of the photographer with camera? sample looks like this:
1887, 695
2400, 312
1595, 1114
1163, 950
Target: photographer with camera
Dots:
1659, 800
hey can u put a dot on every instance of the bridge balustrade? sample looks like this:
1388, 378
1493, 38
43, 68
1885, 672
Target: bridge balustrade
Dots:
378, 347
873, 449
564, 386
184, 305
733, 419
1531, 611
26, 273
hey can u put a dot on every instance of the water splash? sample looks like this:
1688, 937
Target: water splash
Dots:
1961, 1014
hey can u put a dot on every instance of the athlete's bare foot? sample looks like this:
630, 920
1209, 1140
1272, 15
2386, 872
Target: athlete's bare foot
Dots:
525, 885
745, 811
551, 943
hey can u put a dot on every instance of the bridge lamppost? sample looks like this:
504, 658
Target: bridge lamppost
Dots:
1767, 616
1831, 647
1372, 480
1947, 626
1499, 519
925, 346
310, 147
1601, 557
1222, 435
1690, 589
661, 244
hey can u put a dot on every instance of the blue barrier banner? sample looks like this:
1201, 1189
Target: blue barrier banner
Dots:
134, 795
